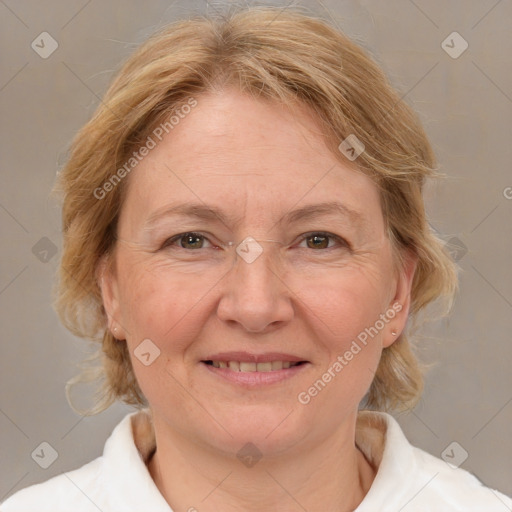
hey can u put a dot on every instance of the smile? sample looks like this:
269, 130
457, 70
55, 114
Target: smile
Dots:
251, 374
251, 366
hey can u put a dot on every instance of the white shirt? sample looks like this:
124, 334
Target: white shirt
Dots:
408, 479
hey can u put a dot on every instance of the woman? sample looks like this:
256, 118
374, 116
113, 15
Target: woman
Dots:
244, 233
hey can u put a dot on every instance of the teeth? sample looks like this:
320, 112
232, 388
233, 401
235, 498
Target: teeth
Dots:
234, 365
245, 366
264, 367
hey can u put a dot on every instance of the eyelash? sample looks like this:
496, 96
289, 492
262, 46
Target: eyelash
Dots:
168, 243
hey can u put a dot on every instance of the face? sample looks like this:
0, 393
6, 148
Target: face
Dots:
302, 289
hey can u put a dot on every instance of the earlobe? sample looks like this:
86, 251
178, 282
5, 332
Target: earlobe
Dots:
107, 282
402, 300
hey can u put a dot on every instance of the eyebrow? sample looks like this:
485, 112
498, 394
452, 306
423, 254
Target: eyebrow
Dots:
212, 213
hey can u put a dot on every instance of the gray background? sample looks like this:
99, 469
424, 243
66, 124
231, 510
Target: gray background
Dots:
466, 105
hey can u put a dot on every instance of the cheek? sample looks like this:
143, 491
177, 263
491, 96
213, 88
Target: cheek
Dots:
344, 311
161, 307
160, 303
347, 300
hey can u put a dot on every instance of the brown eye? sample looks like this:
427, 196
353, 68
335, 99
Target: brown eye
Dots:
321, 241
318, 242
186, 241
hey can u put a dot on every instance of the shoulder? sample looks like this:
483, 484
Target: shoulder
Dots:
79, 487
117, 481
409, 479
455, 488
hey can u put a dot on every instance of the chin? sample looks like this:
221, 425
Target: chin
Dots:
271, 430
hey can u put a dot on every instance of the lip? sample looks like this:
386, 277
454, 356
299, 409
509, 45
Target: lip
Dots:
255, 379
254, 358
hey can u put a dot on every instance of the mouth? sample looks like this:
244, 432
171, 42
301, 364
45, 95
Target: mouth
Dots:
251, 366
253, 370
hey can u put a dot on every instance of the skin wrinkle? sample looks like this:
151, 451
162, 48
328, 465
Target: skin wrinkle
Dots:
288, 300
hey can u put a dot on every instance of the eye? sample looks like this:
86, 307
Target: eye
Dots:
188, 240
320, 240
195, 241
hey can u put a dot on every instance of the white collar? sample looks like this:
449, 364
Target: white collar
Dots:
130, 486
380, 438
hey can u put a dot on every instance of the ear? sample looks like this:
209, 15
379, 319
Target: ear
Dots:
401, 302
107, 280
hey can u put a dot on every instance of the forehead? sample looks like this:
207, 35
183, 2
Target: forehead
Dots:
251, 157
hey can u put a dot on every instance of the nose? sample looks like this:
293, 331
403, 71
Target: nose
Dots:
256, 295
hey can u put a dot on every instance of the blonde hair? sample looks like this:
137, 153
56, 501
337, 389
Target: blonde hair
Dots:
285, 56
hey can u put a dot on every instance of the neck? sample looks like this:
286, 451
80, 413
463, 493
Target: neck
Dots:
334, 475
